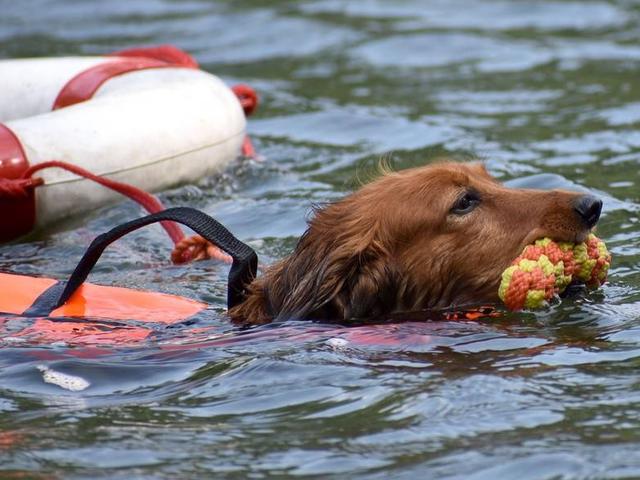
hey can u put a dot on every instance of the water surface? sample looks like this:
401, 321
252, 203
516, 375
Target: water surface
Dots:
546, 92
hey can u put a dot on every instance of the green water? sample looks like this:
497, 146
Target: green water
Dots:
546, 92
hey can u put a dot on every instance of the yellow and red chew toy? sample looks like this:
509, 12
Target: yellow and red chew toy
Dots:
546, 268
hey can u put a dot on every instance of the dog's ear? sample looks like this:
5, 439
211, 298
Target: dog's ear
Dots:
328, 279
372, 289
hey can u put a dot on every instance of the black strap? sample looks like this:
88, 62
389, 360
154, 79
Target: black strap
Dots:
46, 301
243, 269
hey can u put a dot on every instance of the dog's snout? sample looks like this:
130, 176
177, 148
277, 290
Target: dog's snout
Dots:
588, 208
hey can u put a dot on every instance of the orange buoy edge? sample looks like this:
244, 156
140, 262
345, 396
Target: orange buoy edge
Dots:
19, 292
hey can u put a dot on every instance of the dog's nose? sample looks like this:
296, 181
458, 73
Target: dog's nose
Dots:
589, 208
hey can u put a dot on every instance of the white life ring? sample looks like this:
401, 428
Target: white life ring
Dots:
155, 123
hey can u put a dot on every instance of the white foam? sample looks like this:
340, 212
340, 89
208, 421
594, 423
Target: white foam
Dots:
337, 343
63, 380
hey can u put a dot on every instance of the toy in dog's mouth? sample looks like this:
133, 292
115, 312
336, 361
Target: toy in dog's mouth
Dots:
546, 268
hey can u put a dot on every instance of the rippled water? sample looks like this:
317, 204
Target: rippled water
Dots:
546, 92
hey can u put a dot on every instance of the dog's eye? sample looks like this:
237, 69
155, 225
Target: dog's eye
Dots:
465, 203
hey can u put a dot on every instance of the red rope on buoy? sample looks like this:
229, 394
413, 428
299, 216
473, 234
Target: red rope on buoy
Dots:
146, 200
186, 248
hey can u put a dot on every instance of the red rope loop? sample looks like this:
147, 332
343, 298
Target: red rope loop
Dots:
197, 248
247, 97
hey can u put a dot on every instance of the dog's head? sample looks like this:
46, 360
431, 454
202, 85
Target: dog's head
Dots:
428, 237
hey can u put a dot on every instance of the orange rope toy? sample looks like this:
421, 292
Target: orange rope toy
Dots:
546, 268
195, 248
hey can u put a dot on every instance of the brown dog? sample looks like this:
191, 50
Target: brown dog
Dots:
425, 238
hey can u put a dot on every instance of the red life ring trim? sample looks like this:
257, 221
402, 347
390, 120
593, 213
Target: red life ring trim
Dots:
85, 84
165, 53
13, 161
17, 198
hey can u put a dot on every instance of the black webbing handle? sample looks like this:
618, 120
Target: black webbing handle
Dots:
243, 269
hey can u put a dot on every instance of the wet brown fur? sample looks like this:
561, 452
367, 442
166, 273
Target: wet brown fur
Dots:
395, 245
